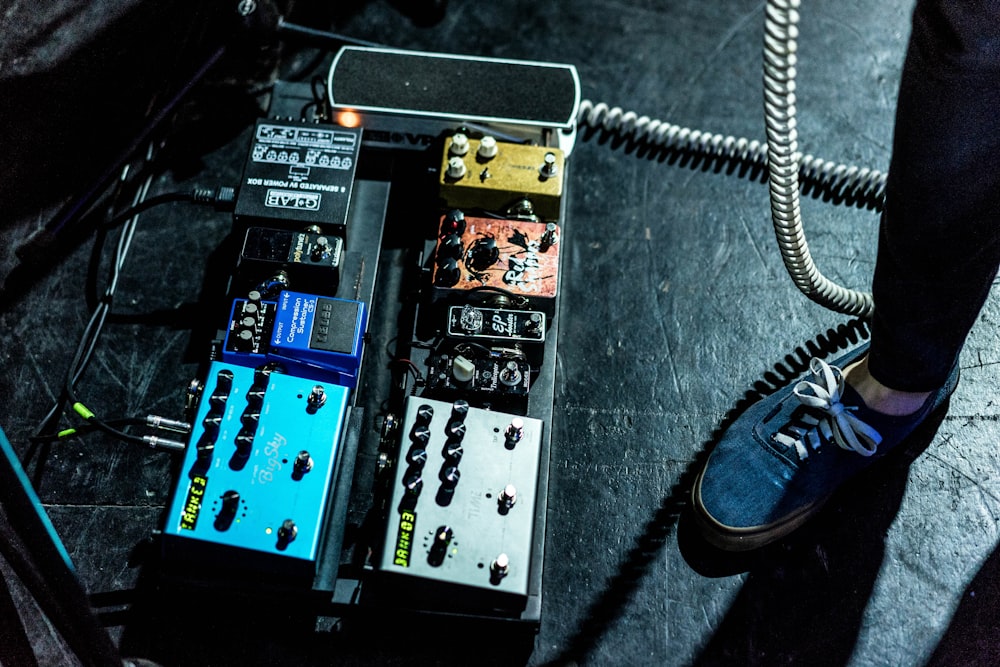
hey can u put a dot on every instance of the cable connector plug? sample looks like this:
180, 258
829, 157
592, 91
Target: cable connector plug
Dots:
156, 421
222, 198
163, 444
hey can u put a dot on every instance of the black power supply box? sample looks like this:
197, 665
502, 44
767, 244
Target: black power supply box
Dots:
299, 174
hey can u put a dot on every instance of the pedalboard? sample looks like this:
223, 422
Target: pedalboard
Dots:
441, 510
256, 476
461, 527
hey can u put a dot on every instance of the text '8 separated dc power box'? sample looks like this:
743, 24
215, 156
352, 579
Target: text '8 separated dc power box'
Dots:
299, 174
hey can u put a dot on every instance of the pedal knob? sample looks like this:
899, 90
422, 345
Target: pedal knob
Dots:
450, 246
420, 435
255, 399
453, 451
463, 370
456, 168
483, 254
453, 223
244, 442
456, 431
417, 456
514, 432
413, 483
487, 148
459, 410
459, 144
227, 513
424, 414
450, 477
448, 274
250, 419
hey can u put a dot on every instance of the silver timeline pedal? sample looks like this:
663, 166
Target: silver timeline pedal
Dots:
461, 526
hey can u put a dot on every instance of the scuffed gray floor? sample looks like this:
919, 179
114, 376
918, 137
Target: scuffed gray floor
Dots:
675, 306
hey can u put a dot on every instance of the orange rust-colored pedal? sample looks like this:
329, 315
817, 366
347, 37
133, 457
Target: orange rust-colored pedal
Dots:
515, 256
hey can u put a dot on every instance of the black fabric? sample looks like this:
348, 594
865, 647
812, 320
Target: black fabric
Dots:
939, 243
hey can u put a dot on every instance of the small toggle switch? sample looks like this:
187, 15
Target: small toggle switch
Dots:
439, 548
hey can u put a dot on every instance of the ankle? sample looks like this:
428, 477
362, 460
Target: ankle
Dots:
879, 397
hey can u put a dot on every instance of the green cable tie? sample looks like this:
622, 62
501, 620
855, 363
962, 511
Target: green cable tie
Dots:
65, 433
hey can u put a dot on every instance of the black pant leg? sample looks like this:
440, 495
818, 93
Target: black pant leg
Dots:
939, 239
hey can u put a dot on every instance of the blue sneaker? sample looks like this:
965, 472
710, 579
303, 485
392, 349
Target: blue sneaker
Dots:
781, 460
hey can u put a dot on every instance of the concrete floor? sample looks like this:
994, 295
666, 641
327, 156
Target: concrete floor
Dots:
676, 308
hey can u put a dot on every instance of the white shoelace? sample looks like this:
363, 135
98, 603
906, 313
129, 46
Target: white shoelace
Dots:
835, 422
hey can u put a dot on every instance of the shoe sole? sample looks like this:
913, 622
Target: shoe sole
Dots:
728, 538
